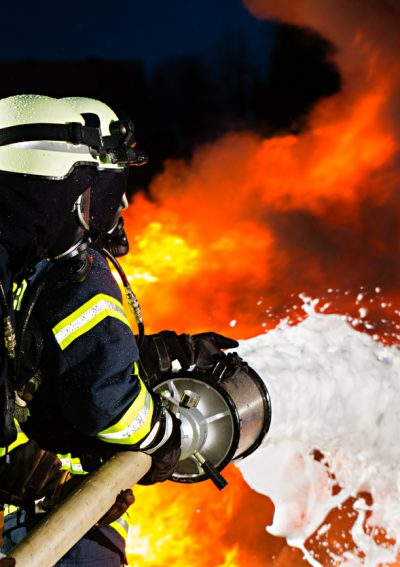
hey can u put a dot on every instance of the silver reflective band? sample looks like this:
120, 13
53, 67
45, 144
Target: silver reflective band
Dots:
53, 146
149, 439
86, 317
134, 425
123, 524
167, 433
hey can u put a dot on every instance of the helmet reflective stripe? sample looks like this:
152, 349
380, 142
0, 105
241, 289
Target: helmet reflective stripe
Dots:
52, 146
135, 424
54, 160
88, 316
44, 163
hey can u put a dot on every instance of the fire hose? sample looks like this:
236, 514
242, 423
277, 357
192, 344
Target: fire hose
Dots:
224, 415
67, 523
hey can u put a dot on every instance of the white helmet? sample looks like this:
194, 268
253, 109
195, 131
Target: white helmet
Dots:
118, 136
48, 137
28, 124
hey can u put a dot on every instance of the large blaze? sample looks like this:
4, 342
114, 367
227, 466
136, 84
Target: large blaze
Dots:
228, 241
195, 525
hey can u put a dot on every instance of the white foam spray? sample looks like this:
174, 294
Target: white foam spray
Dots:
337, 391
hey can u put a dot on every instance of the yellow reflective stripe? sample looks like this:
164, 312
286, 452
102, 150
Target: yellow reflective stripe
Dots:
88, 316
10, 509
71, 464
122, 525
135, 424
20, 440
18, 294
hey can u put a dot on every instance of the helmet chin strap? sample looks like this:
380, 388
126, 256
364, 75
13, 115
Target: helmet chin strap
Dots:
73, 237
73, 251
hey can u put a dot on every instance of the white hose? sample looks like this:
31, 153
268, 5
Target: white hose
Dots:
80, 511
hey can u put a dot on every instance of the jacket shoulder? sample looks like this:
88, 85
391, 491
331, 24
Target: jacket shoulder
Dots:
62, 296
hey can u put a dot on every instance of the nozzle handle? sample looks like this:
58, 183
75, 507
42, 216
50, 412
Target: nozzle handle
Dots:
212, 473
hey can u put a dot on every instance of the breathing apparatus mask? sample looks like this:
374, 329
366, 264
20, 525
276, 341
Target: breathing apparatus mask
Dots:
95, 217
108, 200
51, 150
116, 241
113, 143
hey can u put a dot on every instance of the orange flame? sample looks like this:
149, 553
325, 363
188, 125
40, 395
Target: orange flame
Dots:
194, 525
228, 241
223, 234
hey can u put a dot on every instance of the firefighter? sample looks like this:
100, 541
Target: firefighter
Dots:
46, 161
91, 394
77, 360
39, 182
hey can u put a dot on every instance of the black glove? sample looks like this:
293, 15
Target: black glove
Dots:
163, 444
207, 349
31, 474
167, 352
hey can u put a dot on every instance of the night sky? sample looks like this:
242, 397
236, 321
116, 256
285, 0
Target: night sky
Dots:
150, 31
186, 71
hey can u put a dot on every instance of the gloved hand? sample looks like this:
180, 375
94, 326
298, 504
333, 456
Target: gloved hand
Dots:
207, 349
167, 352
163, 444
31, 474
6, 561
124, 499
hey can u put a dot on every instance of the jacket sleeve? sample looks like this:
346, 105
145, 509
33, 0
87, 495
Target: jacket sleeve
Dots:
91, 366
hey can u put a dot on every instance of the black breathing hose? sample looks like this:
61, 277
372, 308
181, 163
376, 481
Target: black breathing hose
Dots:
8, 431
130, 296
24, 324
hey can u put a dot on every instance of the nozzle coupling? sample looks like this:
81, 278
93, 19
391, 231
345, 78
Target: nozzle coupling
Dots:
10, 340
133, 305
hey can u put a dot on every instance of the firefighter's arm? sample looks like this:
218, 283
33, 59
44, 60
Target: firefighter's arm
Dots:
98, 385
148, 426
101, 392
28, 474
